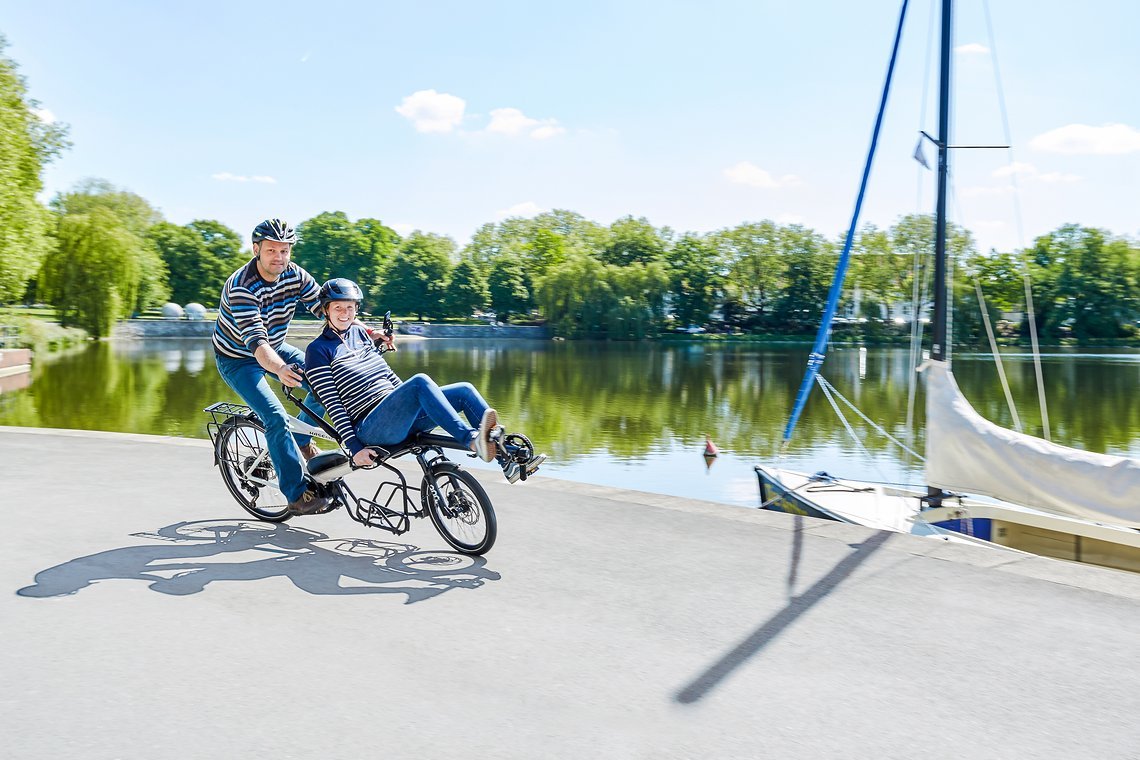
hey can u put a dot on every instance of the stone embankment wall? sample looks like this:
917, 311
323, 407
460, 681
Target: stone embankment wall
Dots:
163, 328
190, 328
474, 331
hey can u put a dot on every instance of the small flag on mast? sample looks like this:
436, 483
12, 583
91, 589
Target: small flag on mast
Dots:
919, 156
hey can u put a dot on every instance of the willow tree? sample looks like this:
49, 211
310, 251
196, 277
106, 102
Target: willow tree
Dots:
94, 272
27, 143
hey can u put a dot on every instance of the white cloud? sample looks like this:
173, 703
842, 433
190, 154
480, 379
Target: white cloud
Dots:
748, 173
305, 57
432, 111
44, 115
1082, 139
1017, 167
788, 218
972, 48
402, 229
228, 177
1030, 172
525, 209
513, 123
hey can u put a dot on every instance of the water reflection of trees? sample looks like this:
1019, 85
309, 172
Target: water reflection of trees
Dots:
628, 400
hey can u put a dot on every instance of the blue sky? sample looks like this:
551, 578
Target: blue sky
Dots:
442, 116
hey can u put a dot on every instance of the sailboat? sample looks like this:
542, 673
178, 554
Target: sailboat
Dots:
984, 484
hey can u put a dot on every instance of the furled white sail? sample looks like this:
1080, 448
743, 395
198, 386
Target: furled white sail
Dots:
967, 453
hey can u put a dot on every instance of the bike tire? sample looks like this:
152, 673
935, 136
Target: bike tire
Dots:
466, 520
242, 450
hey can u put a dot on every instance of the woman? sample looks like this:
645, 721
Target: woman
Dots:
371, 406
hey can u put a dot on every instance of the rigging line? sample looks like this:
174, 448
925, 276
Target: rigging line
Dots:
815, 358
1023, 258
997, 356
925, 97
843, 419
878, 428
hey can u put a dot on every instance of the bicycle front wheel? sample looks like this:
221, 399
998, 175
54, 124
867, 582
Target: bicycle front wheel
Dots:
243, 457
460, 509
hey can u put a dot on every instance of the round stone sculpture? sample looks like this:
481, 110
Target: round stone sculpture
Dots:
195, 311
172, 311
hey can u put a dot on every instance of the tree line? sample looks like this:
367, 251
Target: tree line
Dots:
99, 253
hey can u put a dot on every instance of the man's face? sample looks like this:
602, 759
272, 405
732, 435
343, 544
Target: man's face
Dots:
272, 257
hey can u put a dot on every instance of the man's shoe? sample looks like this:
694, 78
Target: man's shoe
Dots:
484, 446
309, 451
309, 503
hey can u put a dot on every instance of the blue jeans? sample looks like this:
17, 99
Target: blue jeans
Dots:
418, 405
247, 378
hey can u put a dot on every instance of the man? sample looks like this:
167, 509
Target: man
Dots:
256, 307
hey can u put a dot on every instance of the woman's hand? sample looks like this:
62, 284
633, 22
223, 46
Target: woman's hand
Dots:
364, 458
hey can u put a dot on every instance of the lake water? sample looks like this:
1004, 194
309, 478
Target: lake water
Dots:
630, 415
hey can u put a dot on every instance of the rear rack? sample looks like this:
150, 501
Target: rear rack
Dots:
222, 412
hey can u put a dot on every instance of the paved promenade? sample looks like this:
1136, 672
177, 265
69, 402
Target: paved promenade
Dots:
143, 617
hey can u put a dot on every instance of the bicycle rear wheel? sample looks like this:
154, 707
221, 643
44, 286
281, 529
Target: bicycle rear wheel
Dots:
464, 516
247, 470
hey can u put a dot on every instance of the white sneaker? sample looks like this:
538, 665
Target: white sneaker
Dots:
513, 471
485, 448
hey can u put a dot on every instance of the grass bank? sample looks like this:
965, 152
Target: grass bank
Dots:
38, 330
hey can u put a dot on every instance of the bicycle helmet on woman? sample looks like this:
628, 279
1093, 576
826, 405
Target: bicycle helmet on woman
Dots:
276, 230
340, 289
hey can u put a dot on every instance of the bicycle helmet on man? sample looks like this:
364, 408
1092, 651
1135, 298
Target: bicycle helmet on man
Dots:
276, 230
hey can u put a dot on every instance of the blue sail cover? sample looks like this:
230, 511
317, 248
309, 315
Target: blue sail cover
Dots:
815, 360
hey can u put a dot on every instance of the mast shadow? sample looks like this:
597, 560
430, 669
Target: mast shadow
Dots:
183, 558
796, 606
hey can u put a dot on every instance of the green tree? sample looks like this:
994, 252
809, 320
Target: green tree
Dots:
330, 245
634, 240
199, 257
697, 279
751, 255
417, 281
136, 216
27, 144
93, 274
508, 287
468, 291
809, 263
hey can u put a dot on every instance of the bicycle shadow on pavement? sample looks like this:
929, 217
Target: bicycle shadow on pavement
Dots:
185, 557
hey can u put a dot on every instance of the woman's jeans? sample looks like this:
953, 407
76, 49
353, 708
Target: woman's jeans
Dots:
248, 379
418, 405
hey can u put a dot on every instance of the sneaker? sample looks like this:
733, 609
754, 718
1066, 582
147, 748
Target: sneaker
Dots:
309, 503
513, 471
486, 448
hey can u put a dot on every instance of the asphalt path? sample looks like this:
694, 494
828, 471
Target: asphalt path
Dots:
145, 616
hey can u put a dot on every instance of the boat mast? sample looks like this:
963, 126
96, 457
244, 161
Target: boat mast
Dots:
939, 349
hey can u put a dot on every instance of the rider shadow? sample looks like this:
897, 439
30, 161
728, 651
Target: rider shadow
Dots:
195, 554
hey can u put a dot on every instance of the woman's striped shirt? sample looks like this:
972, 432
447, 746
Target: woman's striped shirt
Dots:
253, 311
350, 378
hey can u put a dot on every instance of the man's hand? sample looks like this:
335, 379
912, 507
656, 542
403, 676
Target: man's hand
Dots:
364, 458
388, 341
290, 375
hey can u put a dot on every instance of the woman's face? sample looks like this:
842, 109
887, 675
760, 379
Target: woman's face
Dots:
341, 314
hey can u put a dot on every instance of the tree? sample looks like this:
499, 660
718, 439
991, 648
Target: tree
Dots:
697, 279
508, 287
93, 274
809, 263
467, 291
199, 257
136, 216
633, 240
417, 281
27, 144
751, 255
330, 245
